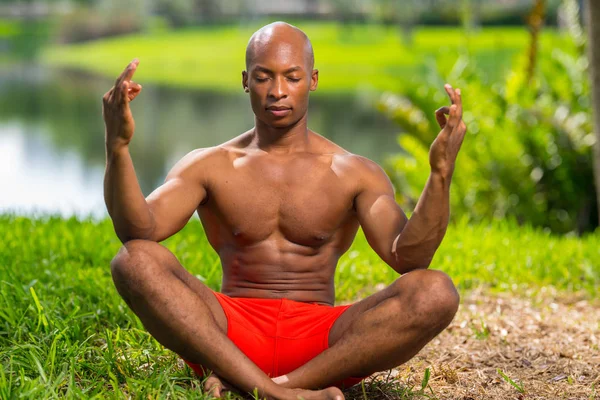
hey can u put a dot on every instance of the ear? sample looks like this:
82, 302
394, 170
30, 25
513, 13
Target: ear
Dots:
314, 80
245, 81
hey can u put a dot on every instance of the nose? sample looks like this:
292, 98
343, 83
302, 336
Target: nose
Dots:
278, 88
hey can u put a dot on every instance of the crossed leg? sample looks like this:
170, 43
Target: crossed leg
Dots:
182, 314
382, 331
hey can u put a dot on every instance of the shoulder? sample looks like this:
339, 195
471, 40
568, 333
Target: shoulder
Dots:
195, 163
204, 162
361, 172
365, 172
345, 159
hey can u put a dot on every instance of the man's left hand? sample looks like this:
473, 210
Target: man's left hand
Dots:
445, 147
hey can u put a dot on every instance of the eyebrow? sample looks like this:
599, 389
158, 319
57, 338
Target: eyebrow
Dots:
266, 70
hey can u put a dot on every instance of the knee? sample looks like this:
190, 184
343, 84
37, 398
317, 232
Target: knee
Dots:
432, 296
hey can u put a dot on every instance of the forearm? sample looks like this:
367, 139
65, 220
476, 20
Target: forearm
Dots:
125, 202
417, 243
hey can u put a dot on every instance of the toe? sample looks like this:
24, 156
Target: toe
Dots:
213, 386
335, 393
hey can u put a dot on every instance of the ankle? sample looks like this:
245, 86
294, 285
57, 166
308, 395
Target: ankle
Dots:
276, 392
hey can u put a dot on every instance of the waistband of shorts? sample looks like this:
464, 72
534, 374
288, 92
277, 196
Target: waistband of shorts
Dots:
270, 300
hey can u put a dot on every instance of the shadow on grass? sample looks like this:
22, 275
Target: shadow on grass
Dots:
381, 386
387, 386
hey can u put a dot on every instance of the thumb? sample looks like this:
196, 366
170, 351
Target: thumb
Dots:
134, 90
441, 117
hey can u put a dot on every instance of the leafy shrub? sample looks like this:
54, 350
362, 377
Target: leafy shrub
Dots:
528, 149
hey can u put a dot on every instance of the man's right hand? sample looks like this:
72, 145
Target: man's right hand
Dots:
115, 108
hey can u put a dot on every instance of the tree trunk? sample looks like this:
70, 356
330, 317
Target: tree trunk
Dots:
535, 22
593, 27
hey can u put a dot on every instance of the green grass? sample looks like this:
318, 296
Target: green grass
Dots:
65, 332
348, 58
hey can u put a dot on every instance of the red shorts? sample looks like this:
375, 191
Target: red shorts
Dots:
279, 335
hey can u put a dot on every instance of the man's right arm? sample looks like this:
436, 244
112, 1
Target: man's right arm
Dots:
165, 211
124, 199
169, 207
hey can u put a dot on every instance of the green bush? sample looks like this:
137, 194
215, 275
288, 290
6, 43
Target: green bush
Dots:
528, 149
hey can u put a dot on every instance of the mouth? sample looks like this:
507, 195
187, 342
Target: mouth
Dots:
279, 111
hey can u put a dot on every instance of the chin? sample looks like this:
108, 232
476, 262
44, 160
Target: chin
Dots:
280, 123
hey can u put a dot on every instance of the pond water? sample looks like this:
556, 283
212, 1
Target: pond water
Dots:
52, 153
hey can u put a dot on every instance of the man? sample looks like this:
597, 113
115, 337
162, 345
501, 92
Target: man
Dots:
280, 204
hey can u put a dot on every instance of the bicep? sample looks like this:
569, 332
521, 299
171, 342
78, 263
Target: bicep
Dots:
380, 217
174, 203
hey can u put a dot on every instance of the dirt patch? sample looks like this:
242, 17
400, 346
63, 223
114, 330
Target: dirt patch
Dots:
545, 343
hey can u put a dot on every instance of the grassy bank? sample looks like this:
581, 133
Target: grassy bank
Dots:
348, 58
64, 331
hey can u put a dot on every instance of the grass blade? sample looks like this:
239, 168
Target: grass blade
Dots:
513, 383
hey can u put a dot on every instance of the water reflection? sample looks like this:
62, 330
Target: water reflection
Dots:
52, 134
38, 178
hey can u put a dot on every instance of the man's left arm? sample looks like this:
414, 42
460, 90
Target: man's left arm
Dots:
408, 245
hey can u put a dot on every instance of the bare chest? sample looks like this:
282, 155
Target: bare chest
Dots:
302, 200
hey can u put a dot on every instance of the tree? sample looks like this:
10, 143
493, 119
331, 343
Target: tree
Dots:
593, 27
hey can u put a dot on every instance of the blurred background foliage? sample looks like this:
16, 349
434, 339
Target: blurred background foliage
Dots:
528, 150
521, 65
31, 23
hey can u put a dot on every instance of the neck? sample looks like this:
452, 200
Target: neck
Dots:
290, 139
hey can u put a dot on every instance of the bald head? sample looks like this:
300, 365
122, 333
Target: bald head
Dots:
280, 34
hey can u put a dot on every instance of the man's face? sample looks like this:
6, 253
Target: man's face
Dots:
279, 79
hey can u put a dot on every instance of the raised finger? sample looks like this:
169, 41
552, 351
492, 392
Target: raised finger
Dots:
450, 92
123, 92
127, 72
459, 103
121, 75
453, 119
130, 70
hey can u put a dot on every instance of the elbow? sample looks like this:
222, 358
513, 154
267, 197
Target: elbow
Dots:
127, 230
125, 237
125, 234
403, 266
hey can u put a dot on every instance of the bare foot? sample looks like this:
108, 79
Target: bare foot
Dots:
331, 393
215, 386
